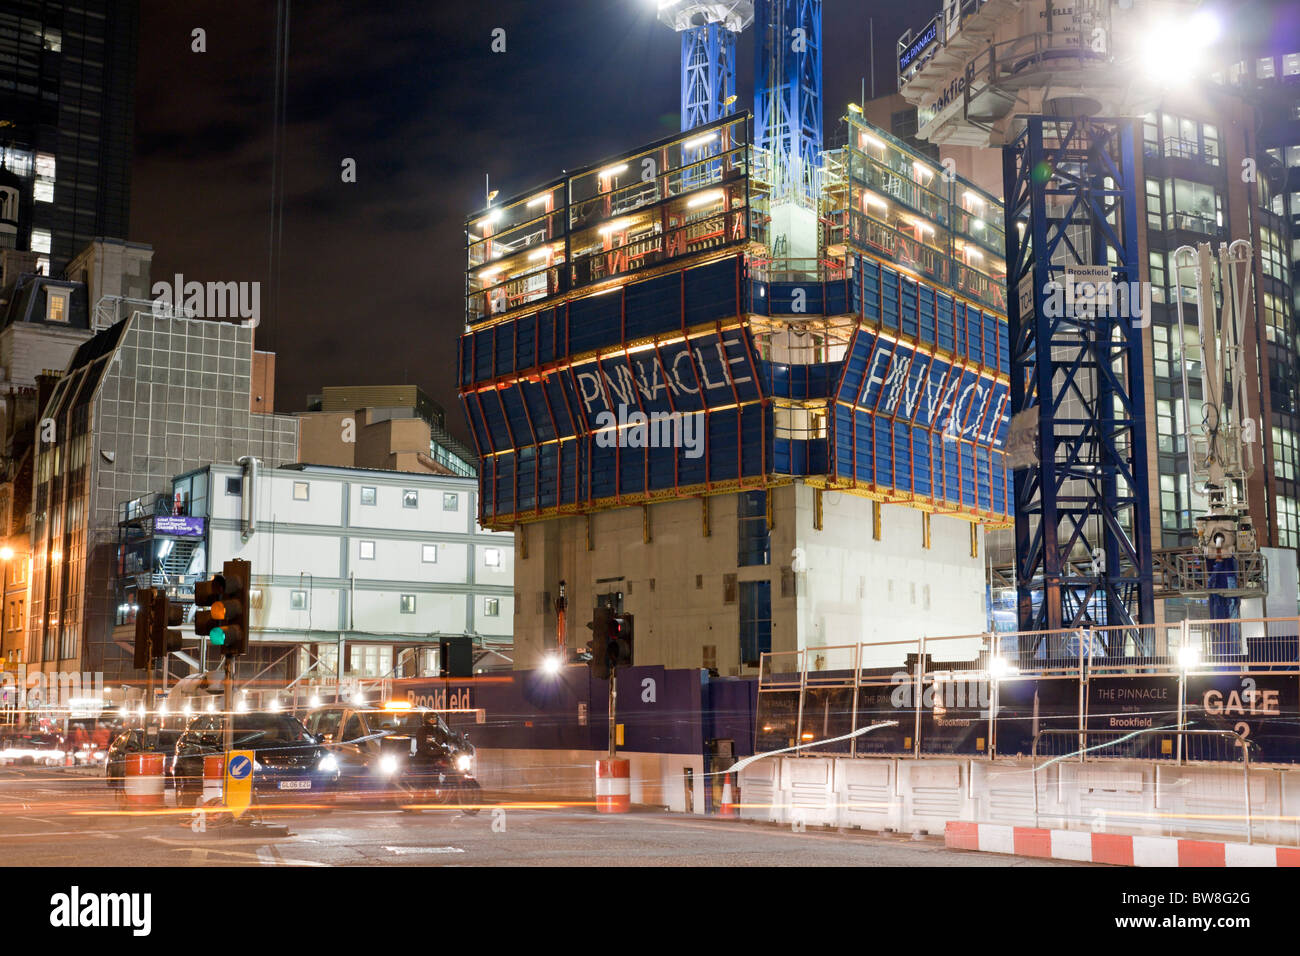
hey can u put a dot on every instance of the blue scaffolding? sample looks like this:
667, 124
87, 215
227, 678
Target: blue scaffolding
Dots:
1070, 184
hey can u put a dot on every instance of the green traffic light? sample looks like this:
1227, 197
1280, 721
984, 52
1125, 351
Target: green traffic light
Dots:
217, 636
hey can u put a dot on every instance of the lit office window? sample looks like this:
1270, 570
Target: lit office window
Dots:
43, 191
41, 240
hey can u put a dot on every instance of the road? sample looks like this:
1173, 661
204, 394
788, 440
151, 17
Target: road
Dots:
60, 817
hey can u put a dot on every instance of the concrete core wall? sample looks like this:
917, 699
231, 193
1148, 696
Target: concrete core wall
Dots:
831, 586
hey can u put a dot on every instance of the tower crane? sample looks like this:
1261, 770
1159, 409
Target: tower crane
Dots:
1057, 84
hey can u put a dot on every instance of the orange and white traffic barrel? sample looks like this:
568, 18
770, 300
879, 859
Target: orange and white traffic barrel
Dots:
143, 783
613, 786
214, 777
728, 800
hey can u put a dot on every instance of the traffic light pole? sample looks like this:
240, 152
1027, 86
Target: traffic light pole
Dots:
230, 703
613, 701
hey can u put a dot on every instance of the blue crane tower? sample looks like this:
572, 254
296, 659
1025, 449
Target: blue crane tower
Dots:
788, 92
1058, 86
709, 29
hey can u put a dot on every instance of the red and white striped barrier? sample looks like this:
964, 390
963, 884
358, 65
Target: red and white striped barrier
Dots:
613, 786
214, 778
143, 783
1119, 849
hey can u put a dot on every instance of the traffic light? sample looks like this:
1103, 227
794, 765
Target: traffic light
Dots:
224, 624
144, 615
621, 640
238, 577
165, 617
599, 647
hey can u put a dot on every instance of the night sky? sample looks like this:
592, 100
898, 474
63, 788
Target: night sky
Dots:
371, 279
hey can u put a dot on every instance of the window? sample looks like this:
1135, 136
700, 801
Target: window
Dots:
367, 550
1291, 64
410, 499
1271, 259
1284, 453
1193, 206
297, 600
408, 603
1264, 68
755, 621
368, 496
450, 501
755, 537
430, 553
41, 240
301, 490
56, 305
353, 729
492, 557
1288, 522
491, 607
234, 486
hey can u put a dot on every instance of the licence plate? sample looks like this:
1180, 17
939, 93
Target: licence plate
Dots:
295, 784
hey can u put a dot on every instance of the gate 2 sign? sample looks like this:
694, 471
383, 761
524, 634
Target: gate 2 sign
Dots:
1263, 708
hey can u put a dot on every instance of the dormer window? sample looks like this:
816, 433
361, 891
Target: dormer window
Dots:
56, 305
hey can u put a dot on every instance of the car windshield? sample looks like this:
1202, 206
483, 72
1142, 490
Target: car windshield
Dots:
257, 730
405, 722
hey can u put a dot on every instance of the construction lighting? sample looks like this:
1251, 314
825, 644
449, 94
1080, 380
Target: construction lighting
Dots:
872, 141
1173, 49
539, 200
973, 199
274, 707
855, 108
539, 255
313, 701
6, 553
618, 225
697, 141
999, 667
874, 200
1188, 657
612, 171
551, 664
705, 199
923, 172
358, 698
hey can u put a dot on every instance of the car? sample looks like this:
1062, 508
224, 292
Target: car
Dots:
32, 748
287, 760
404, 754
131, 742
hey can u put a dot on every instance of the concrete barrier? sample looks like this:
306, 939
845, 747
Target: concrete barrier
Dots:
1130, 796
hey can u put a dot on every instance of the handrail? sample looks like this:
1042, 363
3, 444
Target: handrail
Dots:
1128, 734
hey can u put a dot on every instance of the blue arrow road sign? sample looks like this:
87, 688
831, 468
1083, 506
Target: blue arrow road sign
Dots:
240, 768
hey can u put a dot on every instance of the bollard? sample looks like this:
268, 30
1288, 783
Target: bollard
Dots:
143, 784
613, 786
214, 778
